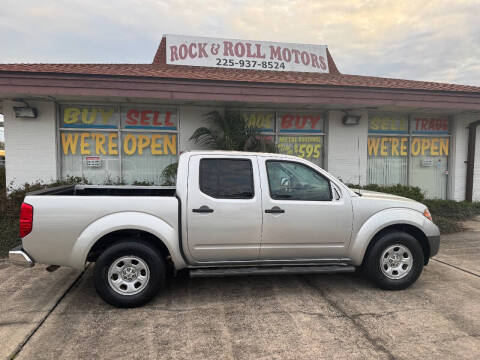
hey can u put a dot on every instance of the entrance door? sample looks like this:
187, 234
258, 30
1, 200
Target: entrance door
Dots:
301, 217
224, 215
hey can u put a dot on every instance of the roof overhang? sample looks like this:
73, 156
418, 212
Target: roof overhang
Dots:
20, 84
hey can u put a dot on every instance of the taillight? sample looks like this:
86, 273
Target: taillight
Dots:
26, 219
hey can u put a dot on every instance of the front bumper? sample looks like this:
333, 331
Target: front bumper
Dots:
434, 243
18, 256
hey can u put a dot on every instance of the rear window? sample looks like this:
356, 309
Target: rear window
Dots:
227, 178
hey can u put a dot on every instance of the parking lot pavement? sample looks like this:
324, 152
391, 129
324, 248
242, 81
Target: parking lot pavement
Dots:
26, 297
283, 317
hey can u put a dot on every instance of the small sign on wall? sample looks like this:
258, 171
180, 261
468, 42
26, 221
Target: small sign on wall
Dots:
94, 161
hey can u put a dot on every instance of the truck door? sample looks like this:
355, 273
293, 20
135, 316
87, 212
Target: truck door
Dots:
224, 211
303, 216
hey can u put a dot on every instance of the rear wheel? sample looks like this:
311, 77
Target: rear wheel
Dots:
129, 273
395, 261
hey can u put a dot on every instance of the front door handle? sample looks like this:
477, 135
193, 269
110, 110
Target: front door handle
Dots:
275, 210
203, 209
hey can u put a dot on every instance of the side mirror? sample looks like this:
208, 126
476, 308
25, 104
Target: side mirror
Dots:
285, 182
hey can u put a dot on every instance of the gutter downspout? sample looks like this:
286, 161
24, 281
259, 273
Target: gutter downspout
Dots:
472, 136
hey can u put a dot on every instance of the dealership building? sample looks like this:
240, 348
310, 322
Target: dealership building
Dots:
124, 123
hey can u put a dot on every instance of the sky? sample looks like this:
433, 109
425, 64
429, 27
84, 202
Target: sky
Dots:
409, 39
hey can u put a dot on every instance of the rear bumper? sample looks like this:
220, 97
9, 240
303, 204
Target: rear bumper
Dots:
18, 256
434, 243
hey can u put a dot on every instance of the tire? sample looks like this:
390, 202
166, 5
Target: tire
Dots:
129, 273
395, 261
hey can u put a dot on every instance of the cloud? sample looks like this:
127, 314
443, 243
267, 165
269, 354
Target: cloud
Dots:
424, 40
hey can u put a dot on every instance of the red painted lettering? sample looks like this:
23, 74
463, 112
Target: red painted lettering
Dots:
305, 58
322, 62
300, 122
287, 55
249, 51
314, 61
314, 121
167, 119
201, 50
239, 49
259, 51
286, 121
275, 53
173, 53
191, 52
132, 117
155, 119
183, 51
144, 118
227, 48
296, 53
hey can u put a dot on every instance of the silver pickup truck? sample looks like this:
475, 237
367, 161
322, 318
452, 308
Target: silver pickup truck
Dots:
231, 213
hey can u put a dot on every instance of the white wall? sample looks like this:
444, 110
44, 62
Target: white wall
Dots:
459, 157
30, 145
347, 148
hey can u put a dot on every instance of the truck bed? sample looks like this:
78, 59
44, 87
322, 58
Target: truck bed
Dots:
107, 190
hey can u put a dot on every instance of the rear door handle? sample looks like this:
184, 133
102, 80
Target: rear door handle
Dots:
275, 210
203, 209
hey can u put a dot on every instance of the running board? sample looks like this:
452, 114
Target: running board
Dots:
273, 270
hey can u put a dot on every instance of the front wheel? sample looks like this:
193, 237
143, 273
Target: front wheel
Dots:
395, 261
129, 273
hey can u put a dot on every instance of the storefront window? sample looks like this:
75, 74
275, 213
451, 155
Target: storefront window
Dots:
117, 144
295, 133
407, 152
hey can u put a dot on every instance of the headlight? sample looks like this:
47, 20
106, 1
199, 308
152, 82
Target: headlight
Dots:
427, 214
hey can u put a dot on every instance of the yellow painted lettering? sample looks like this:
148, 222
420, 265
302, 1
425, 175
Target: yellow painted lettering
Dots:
112, 144
143, 142
395, 143
84, 150
373, 143
415, 147
86, 119
383, 146
444, 146
374, 123
99, 143
170, 144
70, 115
384, 124
434, 147
156, 147
129, 149
425, 145
69, 141
403, 147
106, 114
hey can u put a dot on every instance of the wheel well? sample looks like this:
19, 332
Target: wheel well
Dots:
109, 239
409, 229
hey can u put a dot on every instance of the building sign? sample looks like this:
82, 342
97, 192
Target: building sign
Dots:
88, 116
148, 118
91, 143
292, 122
398, 146
388, 124
306, 147
245, 54
263, 121
429, 125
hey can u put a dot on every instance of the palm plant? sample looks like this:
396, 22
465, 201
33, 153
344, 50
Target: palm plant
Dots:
231, 132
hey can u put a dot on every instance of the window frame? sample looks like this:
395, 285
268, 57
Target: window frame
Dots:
304, 165
230, 159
